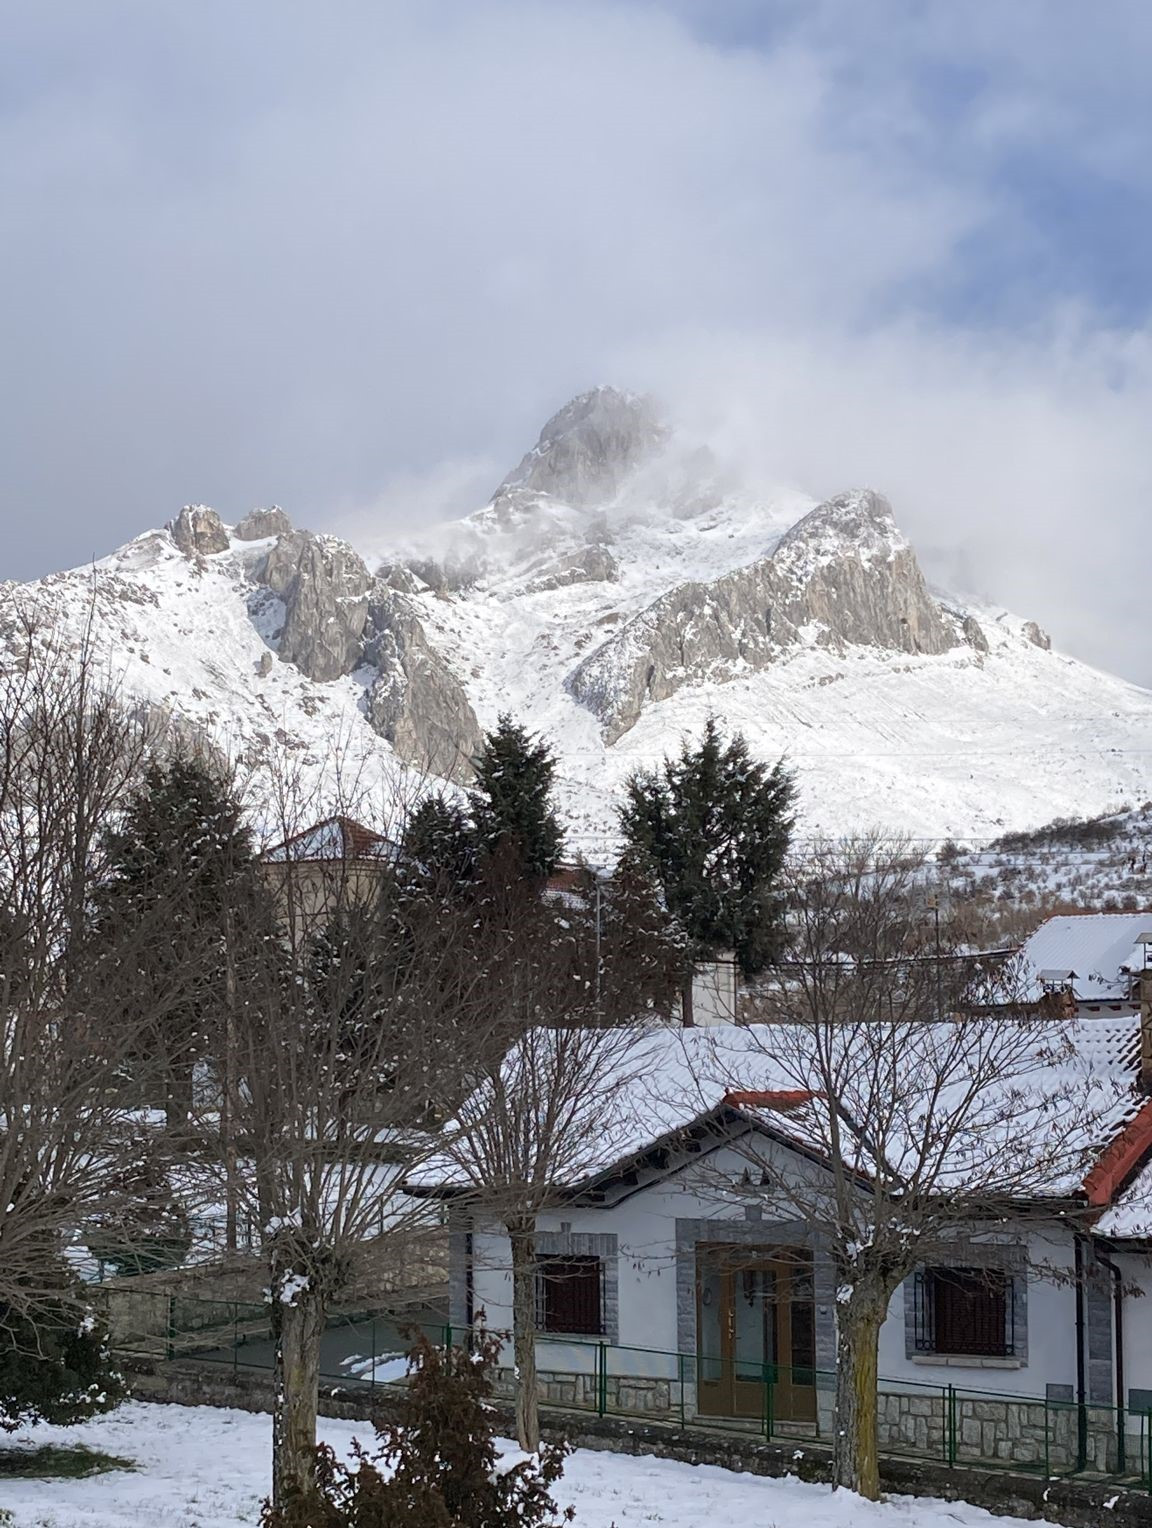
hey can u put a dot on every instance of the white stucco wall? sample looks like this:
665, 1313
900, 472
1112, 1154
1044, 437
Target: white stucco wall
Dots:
1050, 1353
645, 1227
1136, 1271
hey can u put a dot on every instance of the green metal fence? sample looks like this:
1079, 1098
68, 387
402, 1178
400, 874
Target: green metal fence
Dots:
954, 1425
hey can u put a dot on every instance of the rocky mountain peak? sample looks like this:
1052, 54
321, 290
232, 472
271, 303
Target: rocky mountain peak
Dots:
259, 524
198, 531
588, 449
842, 576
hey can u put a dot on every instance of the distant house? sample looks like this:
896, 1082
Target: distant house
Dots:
1091, 964
664, 1289
334, 863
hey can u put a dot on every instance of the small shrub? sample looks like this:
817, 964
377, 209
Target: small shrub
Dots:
55, 1366
438, 1466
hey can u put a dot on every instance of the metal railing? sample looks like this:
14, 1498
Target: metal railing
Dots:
365, 1352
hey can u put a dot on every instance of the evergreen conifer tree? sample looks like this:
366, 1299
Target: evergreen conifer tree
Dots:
715, 825
439, 842
512, 800
177, 861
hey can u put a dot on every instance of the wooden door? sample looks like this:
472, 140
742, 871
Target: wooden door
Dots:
755, 1324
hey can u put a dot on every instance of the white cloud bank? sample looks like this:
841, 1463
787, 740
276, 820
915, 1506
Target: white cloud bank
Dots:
354, 254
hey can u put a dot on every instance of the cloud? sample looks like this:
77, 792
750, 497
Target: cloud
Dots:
353, 260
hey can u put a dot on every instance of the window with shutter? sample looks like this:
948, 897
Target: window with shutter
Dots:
966, 1312
569, 1295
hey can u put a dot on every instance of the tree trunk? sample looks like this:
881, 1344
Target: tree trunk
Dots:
687, 1005
855, 1450
522, 1234
228, 1102
298, 1321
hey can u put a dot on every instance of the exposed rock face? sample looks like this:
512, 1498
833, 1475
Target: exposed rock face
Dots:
1037, 636
417, 703
261, 523
198, 531
974, 634
842, 575
592, 564
587, 450
324, 585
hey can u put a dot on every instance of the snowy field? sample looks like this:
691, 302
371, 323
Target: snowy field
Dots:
207, 1468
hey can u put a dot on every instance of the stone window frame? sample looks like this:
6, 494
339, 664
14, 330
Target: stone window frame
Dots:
1005, 1257
605, 1246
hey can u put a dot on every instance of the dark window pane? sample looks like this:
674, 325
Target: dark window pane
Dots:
969, 1311
569, 1295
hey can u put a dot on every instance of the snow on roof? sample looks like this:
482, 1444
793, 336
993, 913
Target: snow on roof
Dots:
1074, 1097
1094, 954
1130, 1217
336, 838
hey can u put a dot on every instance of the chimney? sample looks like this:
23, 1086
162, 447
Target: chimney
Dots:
1144, 988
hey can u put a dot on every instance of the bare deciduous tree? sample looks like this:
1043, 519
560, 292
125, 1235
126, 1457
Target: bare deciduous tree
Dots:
572, 1042
69, 753
350, 1024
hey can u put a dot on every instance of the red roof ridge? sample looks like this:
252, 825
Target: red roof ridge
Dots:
781, 1099
1123, 1154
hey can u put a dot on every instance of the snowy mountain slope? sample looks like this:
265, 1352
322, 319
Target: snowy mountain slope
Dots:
620, 585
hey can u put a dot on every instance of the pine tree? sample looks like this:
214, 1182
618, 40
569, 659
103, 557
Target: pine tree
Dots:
511, 804
439, 842
640, 946
715, 825
176, 861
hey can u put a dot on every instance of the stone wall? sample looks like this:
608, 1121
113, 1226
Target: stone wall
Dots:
1026, 1434
622, 1392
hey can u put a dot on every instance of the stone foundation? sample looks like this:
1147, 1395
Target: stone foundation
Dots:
622, 1392
1022, 1433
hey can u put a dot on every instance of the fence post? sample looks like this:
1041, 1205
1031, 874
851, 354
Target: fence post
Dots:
680, 1374
1121, 1442
951, 1427
602, 1380
235, 1335
769, 1374
170, 1346
1047, 1444
372, 1370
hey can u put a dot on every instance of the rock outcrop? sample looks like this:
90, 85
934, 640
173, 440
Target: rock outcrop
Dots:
416, 702
842, 575
324, 586
258, 524
198, 531
589, 565
1037, 636
587, 451
974, 634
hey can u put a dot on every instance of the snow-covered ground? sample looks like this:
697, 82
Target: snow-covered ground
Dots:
208, 1468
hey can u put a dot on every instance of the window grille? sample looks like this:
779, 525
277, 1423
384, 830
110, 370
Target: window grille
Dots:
967, 1312
570, 1295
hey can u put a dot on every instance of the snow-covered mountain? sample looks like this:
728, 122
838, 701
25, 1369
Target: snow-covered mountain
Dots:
620, 585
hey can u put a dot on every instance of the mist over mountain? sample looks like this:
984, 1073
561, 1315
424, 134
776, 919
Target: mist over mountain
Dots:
622, 583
